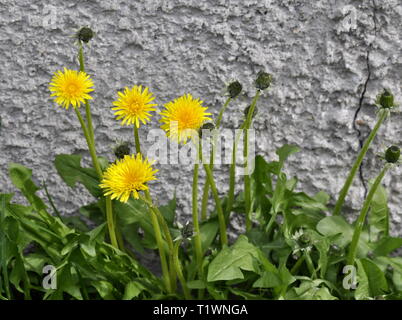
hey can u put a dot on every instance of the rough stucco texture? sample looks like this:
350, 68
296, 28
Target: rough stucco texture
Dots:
329, 59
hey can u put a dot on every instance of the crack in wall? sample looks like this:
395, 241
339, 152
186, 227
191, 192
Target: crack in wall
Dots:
355, 127
361, 100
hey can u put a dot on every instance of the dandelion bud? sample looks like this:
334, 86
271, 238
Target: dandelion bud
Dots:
187, 231
263, 80
122, 150
248, 109
85, 34
392, 154
304, 238
385, 99
234, 89
206, 126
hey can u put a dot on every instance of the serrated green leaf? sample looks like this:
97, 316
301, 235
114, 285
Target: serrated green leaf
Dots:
69, 168
132, 290
378, 217
196, 284
230, 262
268, 280
284, 152
387, 245
376, 278
21, 178
105, 289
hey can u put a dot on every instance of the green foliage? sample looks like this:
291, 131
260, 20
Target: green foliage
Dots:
295, 251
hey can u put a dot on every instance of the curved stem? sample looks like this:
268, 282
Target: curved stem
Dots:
232, 178
95, 162
110, 223
221, 217
159, 241
91, 147
219, 119
205, 192
197, 233
90, 138
179, 271
160, 219
310, 265
196, 224
344, 191
297, 265
247, 180
81, 57
362, 217
137, 140
148, 197
87, 106
204, 201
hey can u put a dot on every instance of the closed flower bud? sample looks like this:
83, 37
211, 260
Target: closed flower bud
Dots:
122, 150
234, 89
85, 34
248, 109
263, 80
206, 126
392, 154
187, 231
385, 100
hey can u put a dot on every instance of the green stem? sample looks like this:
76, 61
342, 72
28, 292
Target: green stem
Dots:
362, 217
90, 137
219, 119
87, 106
81, 57
271, 221
148, 197
221, 217
297, 265
95, 162
159, 241
247, 179
91, 146
51, 201
232, 178
110, 223
204, 201
205, 192
179, 271
137, 140
168, 246
310, 265
160, 219
196, 224
344, 191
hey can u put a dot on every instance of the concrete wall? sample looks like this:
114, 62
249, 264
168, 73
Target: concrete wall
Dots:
329, 59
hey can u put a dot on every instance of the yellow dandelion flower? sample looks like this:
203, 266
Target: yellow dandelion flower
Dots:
182, 116
134, 105
127, 176
71, 87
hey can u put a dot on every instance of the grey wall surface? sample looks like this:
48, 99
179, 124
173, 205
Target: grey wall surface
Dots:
329, 59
